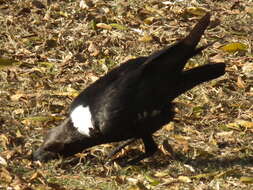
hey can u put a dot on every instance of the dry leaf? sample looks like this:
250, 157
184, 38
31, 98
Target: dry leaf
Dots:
39, 119
206, 175
38, 4
16, 97
64, 14
104, 26
152, 180
166, 148
184, 179
149, 20
197, 11
170, 126
161, 174
5, 175
118, 26
240, 123
249, 10
217, 59
5, 62
146, 38
233, 47
225, 134
83, 5
4, 141
247, 69
3, 161
246, 179
93, 49
246, 124
240, 83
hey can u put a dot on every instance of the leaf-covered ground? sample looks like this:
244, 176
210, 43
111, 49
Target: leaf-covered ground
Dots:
51, 50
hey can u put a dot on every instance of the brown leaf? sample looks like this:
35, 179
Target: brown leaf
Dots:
83, 4
182, 143
247, 69
35, 175
240, 123
104, 26
5, 175
240, 83
3, 161
170, 126
93, 49
184, 179
16, 97
149, 20
217, 59
50, 43
4, 141
38, 4
166, 148
146, 38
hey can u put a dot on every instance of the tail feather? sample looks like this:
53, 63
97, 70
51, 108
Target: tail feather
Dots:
194, 37
174, 58
195, 76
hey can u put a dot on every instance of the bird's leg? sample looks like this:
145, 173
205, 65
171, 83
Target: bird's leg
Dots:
118, 148
150, 149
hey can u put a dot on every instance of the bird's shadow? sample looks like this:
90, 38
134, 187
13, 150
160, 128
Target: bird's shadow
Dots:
161, 161
203, 163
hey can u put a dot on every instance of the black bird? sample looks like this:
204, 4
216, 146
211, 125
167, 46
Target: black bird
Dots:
132, 101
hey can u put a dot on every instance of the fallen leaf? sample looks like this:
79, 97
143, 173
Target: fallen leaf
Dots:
146, 38
249, 10
3, 161
205, 175
46, 64
184, 179
161, 174
5, 62
197, 11
50, 43
152, 180
225, 134
149, 20
93, 49
35, 119
5, 175
217, 59
170, 126
38, 4
104, 26
16, 97
166, 148
240, 83
247, 69
118, 26
83, 5
244, 123
246, 179
64, 14
233, 47
240, 123
4, 141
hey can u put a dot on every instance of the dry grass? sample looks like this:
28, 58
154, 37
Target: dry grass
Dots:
59, 49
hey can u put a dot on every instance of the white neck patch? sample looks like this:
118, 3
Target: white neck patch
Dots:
81, 118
